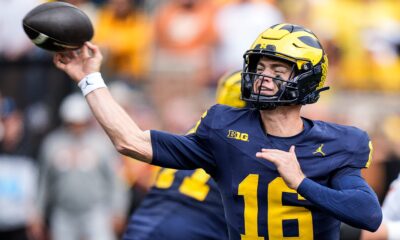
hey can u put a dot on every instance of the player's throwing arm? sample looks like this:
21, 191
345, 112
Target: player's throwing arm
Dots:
83, 67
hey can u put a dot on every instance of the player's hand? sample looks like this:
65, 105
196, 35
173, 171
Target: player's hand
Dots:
79, 63
286, 163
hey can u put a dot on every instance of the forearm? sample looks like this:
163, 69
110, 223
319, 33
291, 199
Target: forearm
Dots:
83, 67
357, 207
126, 136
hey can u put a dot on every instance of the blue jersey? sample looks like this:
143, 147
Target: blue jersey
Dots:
258, 204
182, 204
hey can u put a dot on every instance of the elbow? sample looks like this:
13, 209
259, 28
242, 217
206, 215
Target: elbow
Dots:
374, 217
123, 148
370, 213
370, 222
136, 151
374, 222
367, 216
120, 146
124, 144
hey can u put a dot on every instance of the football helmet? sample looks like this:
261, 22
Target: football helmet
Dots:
228, 90
300, 48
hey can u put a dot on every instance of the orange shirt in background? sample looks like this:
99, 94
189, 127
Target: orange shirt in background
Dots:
126, 43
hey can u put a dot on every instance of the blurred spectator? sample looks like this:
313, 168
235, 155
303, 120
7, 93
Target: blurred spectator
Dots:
391, 129
138, 176
18, 175
79, 183
99, 2
14, 42
181, 113
27, 73
222, 2
184, 44
124, 33
238, 24
86, 6
23, 72
136, 103
296, 11
369, 58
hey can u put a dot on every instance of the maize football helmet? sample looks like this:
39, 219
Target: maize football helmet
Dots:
300, 48
228, 90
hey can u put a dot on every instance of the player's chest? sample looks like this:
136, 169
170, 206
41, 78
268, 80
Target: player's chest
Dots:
237, 149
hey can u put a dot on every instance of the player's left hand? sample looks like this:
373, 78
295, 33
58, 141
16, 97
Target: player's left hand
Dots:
286, 164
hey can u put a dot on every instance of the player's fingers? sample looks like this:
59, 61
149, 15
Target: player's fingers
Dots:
267, 156
272, 150
85, 51
57, 59
90, 45
95, 49
292, 148
75, 53
260, 155
68, 55
270, 154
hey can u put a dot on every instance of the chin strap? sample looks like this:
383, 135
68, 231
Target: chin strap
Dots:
314, 96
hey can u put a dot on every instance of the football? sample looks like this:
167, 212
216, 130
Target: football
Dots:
58, 26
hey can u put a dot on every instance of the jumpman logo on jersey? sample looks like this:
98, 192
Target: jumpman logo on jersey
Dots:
319, 150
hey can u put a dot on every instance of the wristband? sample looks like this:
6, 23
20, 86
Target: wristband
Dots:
91, 82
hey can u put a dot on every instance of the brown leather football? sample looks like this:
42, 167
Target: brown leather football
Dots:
58, 26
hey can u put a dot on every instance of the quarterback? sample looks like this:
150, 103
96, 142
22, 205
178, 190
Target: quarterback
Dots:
281, 176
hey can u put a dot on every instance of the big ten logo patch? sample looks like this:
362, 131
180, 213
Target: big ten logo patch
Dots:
238, 135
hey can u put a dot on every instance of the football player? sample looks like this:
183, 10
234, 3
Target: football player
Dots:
280, 175
188, 198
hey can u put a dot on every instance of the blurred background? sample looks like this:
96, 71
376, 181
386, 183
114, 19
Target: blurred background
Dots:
162, 60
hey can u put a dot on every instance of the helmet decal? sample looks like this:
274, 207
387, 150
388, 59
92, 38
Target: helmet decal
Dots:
312, 42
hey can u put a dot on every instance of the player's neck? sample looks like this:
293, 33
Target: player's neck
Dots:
284, 121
